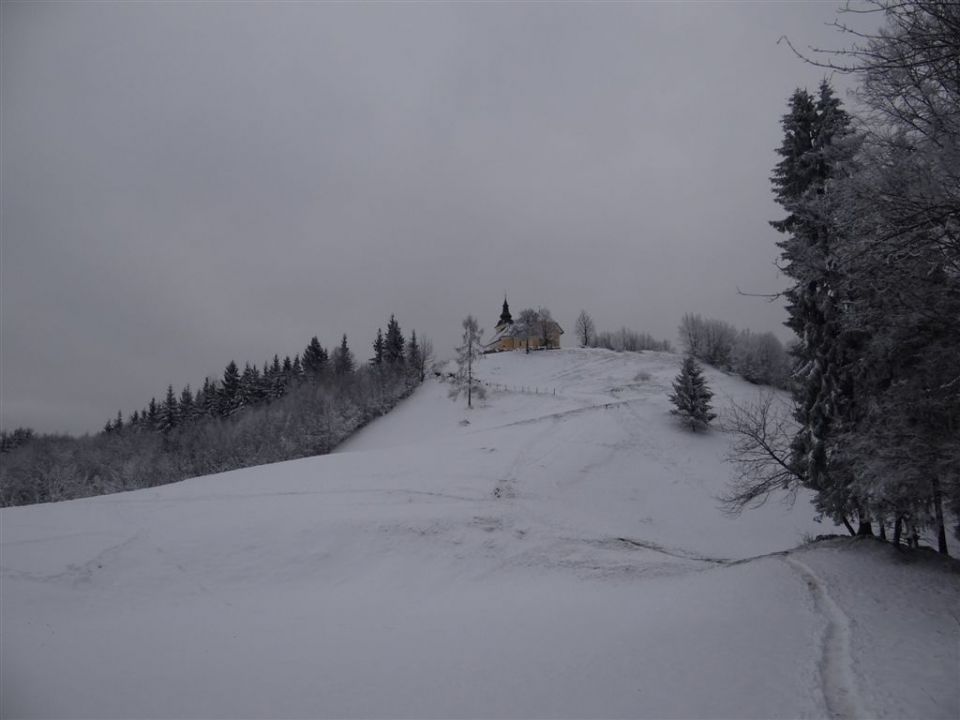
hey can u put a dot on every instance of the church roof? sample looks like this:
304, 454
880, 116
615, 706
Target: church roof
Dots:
505, 317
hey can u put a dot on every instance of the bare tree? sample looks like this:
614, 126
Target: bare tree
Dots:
585, 329
760, 453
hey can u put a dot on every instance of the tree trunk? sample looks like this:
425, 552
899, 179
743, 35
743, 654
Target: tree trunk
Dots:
897, 530
883, 529
938, 509
847, 525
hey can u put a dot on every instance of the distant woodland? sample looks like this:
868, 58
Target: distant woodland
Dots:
287, 409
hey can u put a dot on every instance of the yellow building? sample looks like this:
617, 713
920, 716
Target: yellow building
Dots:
509, 335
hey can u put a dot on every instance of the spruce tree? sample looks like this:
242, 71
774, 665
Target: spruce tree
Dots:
343, 363
249, 393
393, 345
414, 358
151, 413
167, 414
314, 359
229, 395
378, 349
211, 398
187, 407
691, 396
814, 153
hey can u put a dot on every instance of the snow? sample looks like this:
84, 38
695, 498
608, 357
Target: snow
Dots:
543, 555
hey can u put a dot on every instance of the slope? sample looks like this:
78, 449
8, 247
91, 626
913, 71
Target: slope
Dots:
548, 555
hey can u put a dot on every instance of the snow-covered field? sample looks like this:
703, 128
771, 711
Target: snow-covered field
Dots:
543, 555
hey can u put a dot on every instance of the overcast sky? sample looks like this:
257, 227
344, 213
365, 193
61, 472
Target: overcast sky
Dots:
188, 183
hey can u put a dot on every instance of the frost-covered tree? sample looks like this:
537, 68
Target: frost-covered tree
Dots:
545, 324
816, 152
470, 350
585, 329
900, 266
528, 325
708, 340
760, 358
691, 396
873, 245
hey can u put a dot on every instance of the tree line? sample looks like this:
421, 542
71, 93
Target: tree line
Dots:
288, 409
622, 340
871, 243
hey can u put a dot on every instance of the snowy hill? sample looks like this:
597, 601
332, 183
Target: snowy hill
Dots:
556, 552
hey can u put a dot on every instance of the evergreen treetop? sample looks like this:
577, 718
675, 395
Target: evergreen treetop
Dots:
691, 396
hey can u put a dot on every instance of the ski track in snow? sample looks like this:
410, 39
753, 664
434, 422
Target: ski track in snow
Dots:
837, 680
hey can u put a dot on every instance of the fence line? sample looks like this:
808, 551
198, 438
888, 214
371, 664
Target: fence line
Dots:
523, 389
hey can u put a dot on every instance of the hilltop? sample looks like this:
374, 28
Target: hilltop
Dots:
556, 552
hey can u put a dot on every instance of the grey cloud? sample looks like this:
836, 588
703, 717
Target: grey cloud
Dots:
189, 183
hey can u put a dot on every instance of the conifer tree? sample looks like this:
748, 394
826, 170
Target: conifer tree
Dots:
343, 363
118, 423
211, 398
167, 415
414, 359
229, 395
187, 408
151, 412
393, 345
691, 396
378, 349
314, 359
249, 393
815, 150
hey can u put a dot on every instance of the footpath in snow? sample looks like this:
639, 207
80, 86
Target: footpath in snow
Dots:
554, 553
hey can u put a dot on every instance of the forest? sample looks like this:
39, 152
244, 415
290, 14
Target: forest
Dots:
288, 409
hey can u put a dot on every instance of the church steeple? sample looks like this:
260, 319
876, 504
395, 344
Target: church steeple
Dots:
505, 318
